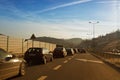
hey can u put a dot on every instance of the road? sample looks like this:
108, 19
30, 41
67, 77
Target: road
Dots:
77, 67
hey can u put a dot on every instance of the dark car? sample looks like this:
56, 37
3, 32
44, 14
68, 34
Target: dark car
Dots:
70, 51
38, 55
75, 50
82, 51
59, 52
10, 65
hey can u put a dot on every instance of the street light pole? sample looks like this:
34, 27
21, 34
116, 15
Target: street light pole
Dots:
93, 42
93, 23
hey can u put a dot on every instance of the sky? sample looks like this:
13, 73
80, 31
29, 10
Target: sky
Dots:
59, 18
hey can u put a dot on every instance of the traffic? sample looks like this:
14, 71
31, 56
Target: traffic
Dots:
10, 65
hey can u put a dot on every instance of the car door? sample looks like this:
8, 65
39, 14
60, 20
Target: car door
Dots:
8, 67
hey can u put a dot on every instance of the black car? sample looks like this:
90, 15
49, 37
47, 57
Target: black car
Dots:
75, 50
59, 52
70, 51
38, 55
10, 65
82, 51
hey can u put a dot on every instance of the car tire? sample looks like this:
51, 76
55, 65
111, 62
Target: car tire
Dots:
63, 55
44, 60
22, 69
51, 59
30, 63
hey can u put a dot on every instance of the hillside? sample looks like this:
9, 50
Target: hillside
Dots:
103, 43
65, 42
74, 41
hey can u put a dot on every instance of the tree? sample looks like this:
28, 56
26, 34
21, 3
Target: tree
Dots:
33, 37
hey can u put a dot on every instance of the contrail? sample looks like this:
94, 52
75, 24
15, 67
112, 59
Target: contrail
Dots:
63, 5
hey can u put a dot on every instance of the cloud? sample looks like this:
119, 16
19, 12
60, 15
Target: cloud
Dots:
64, 5
9, 7
106, 1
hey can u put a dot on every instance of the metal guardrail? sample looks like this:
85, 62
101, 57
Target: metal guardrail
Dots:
110, 57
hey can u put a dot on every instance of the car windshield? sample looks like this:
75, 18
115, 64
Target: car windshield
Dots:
35, 50
58, 49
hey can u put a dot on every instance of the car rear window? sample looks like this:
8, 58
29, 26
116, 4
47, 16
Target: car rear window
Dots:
35, 50
58, 49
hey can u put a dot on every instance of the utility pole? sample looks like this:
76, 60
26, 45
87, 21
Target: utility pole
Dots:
93, 42
93, 23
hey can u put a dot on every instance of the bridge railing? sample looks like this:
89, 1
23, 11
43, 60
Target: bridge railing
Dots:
110, 57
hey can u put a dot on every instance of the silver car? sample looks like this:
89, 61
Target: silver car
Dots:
10, 65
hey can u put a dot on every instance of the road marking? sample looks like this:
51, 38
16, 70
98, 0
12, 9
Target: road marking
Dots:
65, 61
85, 60
42, 78
57, 67
69, 58
73, 56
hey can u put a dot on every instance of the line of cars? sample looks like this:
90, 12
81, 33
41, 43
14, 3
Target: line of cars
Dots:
10, 65
43, 55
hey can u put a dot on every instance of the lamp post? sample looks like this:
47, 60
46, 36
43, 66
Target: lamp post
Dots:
93, 23
93, 42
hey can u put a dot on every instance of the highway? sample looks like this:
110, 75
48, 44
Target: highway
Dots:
77, 67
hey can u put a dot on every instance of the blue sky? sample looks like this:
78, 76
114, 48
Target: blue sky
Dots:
58, 18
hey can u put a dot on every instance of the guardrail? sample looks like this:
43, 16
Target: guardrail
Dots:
110, 57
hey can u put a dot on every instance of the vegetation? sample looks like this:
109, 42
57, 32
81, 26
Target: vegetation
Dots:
103, 43
65, 42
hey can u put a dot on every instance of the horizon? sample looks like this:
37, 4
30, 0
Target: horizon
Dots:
59, 19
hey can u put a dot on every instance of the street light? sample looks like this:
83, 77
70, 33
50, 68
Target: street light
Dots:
94, 27
93, 44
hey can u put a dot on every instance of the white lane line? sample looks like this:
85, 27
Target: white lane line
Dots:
69, 58
95, 61
57, 67
65, 61
73, 56
85, 60
42, 78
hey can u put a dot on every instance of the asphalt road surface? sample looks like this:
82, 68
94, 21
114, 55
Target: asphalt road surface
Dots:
77, 67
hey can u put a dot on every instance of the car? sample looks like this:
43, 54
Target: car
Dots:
82, 50
36, 55
70, 51
10, 65
59, 52
74, 50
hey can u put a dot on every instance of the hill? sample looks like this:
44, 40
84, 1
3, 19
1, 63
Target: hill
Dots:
103, 43
65, 42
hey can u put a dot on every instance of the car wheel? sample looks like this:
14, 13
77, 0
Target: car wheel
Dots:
63, 55
22, 69
51, 59
44, 60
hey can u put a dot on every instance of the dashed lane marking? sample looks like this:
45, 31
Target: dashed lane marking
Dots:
72, 56
65, 61
85, 60
42, 78
57, 67
69, 58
